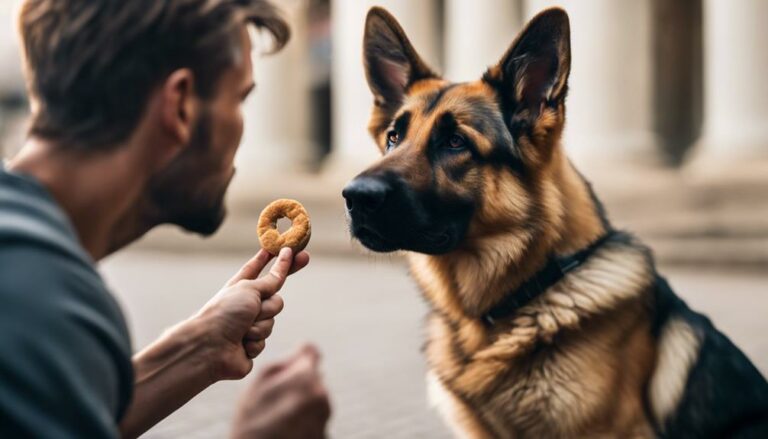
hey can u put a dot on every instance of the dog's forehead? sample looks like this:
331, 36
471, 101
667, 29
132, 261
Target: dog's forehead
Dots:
473, 105
435, 95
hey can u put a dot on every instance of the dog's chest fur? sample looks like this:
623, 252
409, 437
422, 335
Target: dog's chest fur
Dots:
585, 387
573, 363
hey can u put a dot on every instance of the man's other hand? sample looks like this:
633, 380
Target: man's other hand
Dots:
288, 400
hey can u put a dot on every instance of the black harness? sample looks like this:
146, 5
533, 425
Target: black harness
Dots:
555, 269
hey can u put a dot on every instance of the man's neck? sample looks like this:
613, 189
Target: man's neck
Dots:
99, 192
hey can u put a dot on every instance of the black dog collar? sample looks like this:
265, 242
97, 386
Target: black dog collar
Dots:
555, 269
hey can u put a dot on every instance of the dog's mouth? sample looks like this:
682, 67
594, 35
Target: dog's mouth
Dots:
429, 242
373, 240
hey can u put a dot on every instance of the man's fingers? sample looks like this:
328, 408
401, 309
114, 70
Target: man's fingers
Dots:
271, 283
273, 369
303, 362
254, 348
252, 268
312, 352
278, 272
306, 361
260, 330
271, 307
280, 366
300, 261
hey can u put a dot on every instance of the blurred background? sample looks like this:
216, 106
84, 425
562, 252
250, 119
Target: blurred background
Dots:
667, 115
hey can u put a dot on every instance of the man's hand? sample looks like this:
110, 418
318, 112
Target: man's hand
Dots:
217, 343
288, 401
240, 317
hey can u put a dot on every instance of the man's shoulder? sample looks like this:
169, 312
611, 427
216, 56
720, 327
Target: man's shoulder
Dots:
66, 338
45, 277
42, 289
67, 347
39, 251
45, 274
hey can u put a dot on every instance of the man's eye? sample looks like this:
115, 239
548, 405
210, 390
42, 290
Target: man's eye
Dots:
392, 138
457, 142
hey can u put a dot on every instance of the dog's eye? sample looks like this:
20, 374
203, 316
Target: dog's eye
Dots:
392, 138
456, 142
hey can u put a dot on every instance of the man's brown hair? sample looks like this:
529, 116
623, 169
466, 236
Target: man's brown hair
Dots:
92, 64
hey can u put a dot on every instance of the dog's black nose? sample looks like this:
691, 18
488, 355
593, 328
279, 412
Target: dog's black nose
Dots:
365, 194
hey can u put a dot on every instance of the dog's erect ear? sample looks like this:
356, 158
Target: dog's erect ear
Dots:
534, 71
391, 63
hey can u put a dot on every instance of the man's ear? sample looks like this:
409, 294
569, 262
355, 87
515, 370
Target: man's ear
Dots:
179, 105
534, 71
391, 63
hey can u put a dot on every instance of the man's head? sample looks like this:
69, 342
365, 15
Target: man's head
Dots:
173, 73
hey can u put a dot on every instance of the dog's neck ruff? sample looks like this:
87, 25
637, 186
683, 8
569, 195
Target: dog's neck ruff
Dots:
555, 269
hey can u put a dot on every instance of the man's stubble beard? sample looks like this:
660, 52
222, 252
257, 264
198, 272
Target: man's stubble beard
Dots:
188, 192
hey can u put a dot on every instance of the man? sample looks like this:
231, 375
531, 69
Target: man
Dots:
135, 122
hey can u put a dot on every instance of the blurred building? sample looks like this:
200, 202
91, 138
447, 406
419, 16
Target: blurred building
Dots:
667, 108
653, 82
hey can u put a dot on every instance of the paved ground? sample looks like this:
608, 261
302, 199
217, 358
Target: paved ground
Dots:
366, 315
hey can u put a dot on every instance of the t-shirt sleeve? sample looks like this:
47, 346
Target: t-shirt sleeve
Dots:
64, 351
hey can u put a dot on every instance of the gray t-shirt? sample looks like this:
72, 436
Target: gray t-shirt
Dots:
65, 351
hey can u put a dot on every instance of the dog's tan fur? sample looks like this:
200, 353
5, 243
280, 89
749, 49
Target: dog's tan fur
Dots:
514, 378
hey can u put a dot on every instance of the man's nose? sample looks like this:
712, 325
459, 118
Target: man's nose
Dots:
366, 194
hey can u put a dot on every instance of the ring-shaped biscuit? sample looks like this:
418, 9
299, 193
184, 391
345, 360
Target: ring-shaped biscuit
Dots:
296, 238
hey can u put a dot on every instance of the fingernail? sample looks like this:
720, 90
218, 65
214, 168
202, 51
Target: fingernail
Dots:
285, 253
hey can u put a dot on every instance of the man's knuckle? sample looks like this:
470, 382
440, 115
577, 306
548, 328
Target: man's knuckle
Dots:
244, 285
263, 283
278, 278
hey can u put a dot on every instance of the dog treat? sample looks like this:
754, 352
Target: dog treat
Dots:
296, 238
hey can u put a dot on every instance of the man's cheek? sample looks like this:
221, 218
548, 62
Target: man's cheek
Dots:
234, 138
220, 137
237, 127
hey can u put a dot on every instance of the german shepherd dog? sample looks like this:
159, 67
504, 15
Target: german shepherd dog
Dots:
545, 321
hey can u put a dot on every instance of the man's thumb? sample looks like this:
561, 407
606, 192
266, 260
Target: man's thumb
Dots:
252, 268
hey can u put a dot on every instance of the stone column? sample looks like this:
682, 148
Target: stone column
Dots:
11, 77
353, 148
13, 112
610, 99
477, 34
276, 141
735, 83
